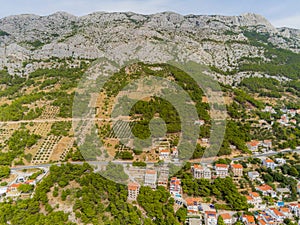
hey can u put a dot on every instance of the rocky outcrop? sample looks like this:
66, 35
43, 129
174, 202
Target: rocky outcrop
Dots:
210, 40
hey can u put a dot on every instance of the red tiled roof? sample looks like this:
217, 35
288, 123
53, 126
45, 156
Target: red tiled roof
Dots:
249, 218
222, 165
133, 186
254, 194
265, 187
237, 166
150, 172
226, 216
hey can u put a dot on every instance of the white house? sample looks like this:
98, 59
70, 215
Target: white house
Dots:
210, 218
280, 161
253, 175
276, 214
221, 170
201, 172
164, 154
269, 163
227, 218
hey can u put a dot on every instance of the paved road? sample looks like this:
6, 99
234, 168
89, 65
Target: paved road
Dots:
103, 163
288, 150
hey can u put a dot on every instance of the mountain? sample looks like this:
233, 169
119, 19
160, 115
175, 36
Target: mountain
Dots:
225, 43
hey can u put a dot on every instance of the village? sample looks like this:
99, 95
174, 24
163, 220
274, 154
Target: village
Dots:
261, 211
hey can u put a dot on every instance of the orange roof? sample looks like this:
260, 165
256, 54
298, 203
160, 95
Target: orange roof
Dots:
165, 151
253, 143
265, 187
285, 209
237, 166
254, 194
191, 201
262, 222
226, 216
277, 212
15, 185
133, 186
269, 161
249, 218
150, 172
249, 198
267, 141
197, 166
222, 165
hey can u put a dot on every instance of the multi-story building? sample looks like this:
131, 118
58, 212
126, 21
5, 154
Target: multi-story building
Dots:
150, 178
266, 190
210, 218
255, 199
221, 170
269, 163
133, 191
175, 187
227, 218
192, 205
253, 145
201, 172
248, 220
237, 170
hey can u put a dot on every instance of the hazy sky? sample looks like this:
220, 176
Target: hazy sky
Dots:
279, 12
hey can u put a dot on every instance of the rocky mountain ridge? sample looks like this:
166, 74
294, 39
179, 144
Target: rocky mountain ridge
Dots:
27, 41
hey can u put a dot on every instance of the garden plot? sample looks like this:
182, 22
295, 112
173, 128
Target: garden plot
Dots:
42, 129
50, 112
6, 130
121, 128
45, 151
62, 148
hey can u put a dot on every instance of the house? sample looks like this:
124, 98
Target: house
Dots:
221, 170
227, 218
163, 178
267, 144
276, 214
210, 218
31, 182
193, 205
201, 172
199, 122
133, 191
266, 190
175, 152
248, 219
255, 199
164, 154
280, 161
3, 191
12, 190
269, 109
286, 212
150, 178
175, 187
284, 192
237, 170
284, 120
253, 145
269, 163
253, 175
295, 209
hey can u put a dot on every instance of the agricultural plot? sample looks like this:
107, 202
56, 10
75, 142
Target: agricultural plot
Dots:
45, 151
50, 112
121, 129
6, 130
62, 149
42, 129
